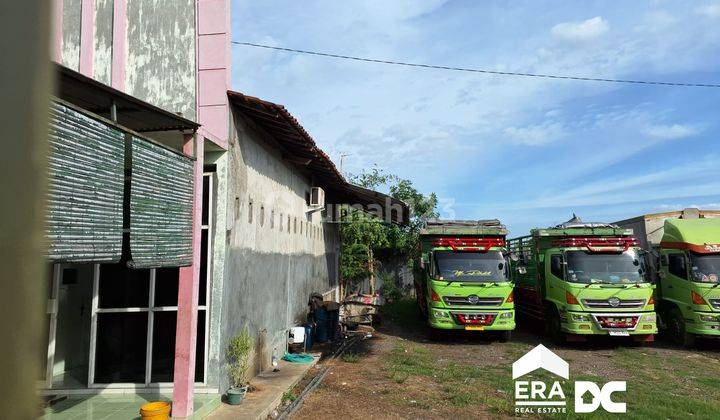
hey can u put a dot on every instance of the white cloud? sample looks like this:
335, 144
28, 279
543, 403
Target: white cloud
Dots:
536, 135
581, 31
711, 11
669, 132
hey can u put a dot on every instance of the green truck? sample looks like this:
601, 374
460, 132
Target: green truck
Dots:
583, 279
464, 282
684, 261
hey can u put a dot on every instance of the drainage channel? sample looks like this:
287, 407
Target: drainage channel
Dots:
317, 380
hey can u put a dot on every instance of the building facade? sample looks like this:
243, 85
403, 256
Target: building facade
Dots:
179, 212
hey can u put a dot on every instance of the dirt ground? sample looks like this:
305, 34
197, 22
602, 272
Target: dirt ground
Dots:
400, 373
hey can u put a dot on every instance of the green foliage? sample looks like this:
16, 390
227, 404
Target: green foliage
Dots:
364, 237
238, 356
288, 396
350, 357
389, 289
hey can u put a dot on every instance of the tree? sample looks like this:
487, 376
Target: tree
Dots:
364, 237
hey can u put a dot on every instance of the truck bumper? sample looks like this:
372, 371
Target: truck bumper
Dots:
585, 323
703, 323
446, 319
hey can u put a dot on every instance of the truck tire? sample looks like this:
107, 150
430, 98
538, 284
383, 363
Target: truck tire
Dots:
504, 336
553, 325
676, 329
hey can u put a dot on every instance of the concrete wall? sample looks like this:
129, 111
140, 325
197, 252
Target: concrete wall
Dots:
161, 53
103, 33
71, 34
271, 267
160, 65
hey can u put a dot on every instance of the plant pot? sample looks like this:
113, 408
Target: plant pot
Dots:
235, 396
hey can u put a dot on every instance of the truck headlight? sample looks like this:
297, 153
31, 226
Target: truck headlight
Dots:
650, 318
708, 318
580, 317
440, 314
506, 315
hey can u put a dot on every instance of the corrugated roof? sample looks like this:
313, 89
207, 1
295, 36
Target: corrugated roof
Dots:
300, 148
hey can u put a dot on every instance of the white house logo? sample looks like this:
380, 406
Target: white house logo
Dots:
537, 397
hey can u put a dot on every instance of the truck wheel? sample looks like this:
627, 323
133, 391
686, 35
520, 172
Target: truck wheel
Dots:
676, 328
553, 326
505, 336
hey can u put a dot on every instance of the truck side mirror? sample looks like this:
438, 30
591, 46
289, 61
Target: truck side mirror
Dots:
522, 270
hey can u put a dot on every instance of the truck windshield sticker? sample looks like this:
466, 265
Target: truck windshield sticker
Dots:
471, 266
705, 268
589, 268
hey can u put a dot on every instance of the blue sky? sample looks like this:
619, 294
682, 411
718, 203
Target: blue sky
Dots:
528, 151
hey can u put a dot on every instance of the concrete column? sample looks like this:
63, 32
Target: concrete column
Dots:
24, 77
189, 282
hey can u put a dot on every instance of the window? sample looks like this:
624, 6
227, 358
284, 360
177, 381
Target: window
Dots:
272, 219
294, 224
262, 215
250, 211
137, 314
677, 265
556, 266
288, 225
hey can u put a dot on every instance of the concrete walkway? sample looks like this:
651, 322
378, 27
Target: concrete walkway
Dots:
267, 397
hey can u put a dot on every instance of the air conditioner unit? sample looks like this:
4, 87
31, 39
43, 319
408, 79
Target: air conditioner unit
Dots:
317, 197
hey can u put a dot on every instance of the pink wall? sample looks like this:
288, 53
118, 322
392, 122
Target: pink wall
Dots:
119, 44
213, 64
87, 35
56, 44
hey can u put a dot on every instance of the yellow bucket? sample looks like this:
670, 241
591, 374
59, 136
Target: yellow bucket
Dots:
159, 410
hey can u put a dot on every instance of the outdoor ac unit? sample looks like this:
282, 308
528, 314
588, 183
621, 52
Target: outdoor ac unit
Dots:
317, 197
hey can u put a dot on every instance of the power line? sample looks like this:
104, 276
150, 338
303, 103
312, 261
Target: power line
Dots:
502, 73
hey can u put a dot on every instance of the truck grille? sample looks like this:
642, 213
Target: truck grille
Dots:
474, 319
618, 303
619, 321
715, 303
472, 300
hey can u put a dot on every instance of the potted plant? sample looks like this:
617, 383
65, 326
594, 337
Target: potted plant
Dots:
238, 356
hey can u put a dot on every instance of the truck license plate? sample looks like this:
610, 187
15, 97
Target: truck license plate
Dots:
474, 327
619, 333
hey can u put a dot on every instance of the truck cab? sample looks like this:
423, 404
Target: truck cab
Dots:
687, 263
464, 282
584, 279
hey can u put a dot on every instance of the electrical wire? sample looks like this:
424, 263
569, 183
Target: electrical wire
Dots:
471, 70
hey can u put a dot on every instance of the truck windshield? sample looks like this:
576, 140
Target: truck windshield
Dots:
470, 266
588, 268
705, 268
